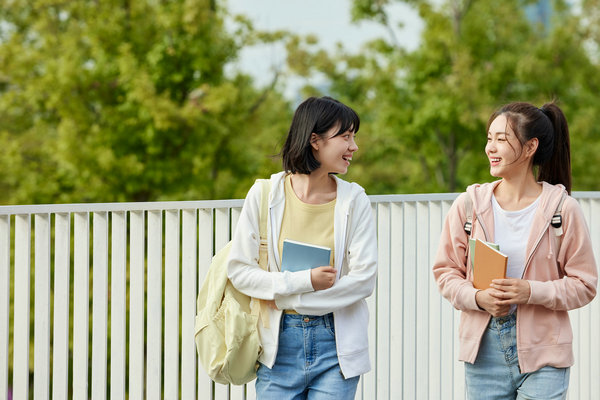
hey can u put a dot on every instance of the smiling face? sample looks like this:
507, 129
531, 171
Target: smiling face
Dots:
504, 150
334, 152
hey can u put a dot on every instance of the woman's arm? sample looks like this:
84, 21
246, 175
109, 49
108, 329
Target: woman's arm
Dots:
578, 287
449, 267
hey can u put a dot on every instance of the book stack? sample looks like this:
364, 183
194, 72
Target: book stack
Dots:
488, 263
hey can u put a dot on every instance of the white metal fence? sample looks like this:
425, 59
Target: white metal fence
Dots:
123, 277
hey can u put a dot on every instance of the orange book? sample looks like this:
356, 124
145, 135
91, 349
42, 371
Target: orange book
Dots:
489, 264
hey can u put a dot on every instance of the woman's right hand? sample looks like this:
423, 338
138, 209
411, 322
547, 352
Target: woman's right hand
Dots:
322, 277
485, 299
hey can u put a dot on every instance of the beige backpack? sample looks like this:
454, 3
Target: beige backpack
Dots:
226, 327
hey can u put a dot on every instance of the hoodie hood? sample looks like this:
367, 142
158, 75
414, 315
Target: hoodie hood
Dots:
481, 195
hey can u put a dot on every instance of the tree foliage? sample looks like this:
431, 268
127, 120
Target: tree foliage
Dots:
133, 101
425, 111
129, 101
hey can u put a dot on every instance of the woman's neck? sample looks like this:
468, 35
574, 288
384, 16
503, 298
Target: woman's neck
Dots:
314, 188
516, 193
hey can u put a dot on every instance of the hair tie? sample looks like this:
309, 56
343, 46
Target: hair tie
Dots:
546, 112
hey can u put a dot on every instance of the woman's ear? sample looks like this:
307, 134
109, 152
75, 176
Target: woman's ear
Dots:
314, 141
531, 147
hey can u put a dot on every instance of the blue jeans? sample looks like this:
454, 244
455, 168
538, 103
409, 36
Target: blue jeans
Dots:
496, 374
306, 366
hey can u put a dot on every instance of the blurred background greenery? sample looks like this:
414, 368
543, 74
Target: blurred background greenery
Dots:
128, 100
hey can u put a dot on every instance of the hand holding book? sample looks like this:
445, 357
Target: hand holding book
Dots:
513, 291
322, 277
298, 256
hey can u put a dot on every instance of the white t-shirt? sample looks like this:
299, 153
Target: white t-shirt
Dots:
511, 232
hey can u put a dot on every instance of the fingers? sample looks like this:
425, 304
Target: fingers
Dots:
501, 313
323, 277
497, 294
328, 268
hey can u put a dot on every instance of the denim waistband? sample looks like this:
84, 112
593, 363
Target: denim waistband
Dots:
504, 321
307, 320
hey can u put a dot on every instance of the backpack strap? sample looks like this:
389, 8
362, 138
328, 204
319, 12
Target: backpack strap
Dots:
260, 308
468, 226
556, 220
264, 212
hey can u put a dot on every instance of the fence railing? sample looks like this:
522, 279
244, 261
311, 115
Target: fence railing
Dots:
98, 301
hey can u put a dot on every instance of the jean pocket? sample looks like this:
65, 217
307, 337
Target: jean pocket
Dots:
330, 326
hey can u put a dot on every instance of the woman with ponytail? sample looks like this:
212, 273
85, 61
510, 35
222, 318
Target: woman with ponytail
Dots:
515, 336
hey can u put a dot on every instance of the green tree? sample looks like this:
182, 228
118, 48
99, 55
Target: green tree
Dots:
129, 101
424, 112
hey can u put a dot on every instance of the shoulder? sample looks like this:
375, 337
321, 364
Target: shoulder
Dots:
459, 206
351, 191
554, 194
571, 208
255, 190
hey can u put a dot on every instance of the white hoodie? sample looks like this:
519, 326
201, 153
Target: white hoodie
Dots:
355, 260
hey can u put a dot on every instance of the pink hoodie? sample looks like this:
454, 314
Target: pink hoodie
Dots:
559, 282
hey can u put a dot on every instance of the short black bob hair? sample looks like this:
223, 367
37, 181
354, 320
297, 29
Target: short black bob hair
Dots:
314, 115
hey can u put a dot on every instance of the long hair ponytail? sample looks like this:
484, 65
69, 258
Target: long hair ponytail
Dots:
557, 169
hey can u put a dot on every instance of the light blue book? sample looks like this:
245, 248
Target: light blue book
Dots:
297, 256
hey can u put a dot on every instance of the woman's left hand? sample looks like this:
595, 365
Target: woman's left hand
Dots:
513, 291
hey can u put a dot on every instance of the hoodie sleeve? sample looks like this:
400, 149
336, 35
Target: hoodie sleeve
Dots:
578, 285
361, 256
449, 269
243, 269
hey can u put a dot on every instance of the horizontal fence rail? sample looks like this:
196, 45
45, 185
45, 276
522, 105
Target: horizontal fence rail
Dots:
98, 301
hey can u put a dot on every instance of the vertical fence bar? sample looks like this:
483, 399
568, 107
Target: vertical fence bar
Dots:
41, 327
136, 304
409, 261
383, 301
423, 277
21, 306
81, 307
396, 306
99, 305
188, 303
4, 302
205, 253
118, 296
154, 322
172, 305
62, 274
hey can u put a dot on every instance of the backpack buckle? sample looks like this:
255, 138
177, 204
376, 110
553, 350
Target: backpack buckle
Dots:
467, 227
556, 221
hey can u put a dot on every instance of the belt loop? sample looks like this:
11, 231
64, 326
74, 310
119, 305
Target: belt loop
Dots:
329, 320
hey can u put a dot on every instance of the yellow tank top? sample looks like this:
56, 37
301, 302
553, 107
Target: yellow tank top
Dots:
309, 223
